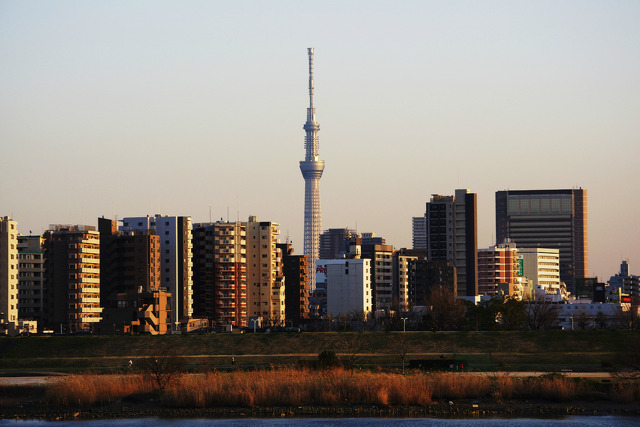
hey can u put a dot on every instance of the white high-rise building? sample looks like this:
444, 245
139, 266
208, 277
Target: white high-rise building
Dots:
419, 232
541, 266
348, 286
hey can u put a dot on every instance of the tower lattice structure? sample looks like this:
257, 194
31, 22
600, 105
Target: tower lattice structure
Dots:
312, 168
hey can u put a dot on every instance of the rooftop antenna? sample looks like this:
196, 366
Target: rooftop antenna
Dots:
210, 220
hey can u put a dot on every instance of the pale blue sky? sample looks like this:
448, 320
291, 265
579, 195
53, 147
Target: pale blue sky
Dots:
130, 108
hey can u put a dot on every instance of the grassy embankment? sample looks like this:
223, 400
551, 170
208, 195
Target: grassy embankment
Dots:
491, 351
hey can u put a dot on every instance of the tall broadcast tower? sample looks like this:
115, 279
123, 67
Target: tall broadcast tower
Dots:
311, 169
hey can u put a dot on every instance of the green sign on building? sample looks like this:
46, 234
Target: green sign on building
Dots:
520, 267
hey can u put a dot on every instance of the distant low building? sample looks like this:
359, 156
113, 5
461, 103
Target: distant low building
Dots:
587, 315
627, 283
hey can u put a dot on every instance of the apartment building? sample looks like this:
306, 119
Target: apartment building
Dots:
348, 284
129, 270
452, 235
265, 277
296, 277
220, 273
541, 266
176, 259
497, 265
31, 278
72, 278
401, 270
381, 257
8, 275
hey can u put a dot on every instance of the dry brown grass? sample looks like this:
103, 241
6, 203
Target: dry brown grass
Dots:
548, 387
626, 392
296, 387
90, 389
290, 387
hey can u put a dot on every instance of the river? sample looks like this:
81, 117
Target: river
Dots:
576, 421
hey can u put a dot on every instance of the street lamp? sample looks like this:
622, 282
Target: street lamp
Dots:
254, 324
404, 324
571, 317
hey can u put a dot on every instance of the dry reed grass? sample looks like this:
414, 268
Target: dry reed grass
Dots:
89, 389
296, 387
291, 387
626, 392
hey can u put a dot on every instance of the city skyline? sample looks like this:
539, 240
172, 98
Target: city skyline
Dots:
121, 109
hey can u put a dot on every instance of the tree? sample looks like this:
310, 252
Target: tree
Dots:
162, 366
541, 312
627, 360
601, 321
402, 345
628, 316
352, 345
328, 359
582, 320
497, 313
513, 315
445, 313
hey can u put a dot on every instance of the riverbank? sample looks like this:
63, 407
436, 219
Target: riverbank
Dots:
465, 409
306, 393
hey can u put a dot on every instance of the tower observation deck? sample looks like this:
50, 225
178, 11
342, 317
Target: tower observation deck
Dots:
311, 168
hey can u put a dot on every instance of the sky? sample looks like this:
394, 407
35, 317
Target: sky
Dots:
196, 108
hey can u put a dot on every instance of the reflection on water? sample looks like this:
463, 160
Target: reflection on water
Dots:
338, 422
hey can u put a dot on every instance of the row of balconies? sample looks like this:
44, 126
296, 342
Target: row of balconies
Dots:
77, 308
81, 299
95, 270
225, 295
225, 250
229, 232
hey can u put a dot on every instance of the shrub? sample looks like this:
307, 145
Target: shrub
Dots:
328, 359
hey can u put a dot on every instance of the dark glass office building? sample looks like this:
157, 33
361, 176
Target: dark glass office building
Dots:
547, 219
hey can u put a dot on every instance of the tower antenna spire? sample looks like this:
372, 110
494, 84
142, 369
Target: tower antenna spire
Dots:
310, 50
